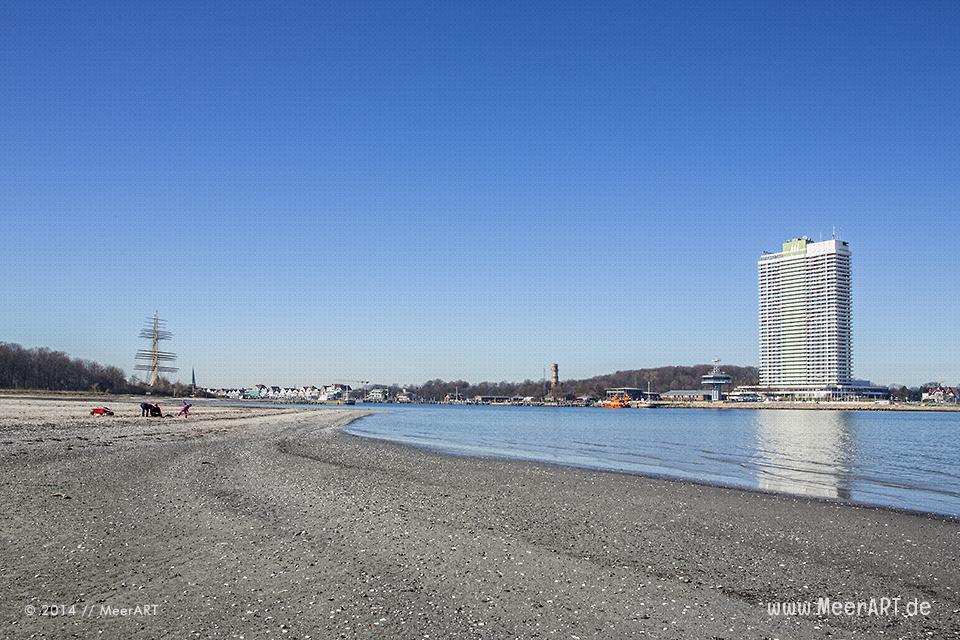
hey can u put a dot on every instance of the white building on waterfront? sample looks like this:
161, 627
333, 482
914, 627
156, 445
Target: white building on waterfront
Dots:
806, 348
805, 318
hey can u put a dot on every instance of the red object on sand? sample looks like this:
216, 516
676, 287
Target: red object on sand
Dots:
101, 411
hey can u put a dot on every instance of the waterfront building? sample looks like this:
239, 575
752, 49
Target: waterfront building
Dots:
633, 393
940, 394
806, 349
478, 399
687, 395
406, 396
716, 379
805, 315
378, 395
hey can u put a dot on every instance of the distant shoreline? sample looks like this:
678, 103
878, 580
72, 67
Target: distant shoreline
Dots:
97, 396
812, 406
756, 406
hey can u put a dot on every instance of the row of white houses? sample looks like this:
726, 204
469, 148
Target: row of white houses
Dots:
309, 393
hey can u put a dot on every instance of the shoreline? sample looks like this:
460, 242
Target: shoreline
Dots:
283, 522
259, 409
955, 518
808, 406
657, 404
723, 405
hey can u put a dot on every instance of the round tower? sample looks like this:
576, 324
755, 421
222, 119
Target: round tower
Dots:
716, 379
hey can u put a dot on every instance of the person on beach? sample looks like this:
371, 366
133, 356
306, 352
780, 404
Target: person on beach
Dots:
185, 410
145, 409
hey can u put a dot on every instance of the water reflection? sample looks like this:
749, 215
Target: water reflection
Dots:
900, 459
806, 452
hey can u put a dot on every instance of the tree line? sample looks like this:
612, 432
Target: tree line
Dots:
40, 368
44, 369
660, 379
911, 394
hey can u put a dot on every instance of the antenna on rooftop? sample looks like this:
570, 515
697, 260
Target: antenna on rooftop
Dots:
159, 361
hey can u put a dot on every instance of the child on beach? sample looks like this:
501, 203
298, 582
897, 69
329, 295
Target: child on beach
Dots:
185, 410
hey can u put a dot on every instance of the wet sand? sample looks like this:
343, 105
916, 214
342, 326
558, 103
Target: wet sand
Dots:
257, 523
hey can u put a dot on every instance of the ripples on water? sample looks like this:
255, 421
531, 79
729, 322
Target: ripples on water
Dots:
900, 459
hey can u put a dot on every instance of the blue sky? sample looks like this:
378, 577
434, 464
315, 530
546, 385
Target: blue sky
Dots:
397, 192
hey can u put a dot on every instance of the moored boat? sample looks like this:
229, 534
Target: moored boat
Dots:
616, 402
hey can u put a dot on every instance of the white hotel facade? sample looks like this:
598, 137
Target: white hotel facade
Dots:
806, 340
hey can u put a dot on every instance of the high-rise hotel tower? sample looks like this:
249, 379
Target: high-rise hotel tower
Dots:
805, 338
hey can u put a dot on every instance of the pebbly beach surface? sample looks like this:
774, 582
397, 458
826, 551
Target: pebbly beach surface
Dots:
244, 522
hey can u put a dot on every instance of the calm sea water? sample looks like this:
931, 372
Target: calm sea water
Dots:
909, 460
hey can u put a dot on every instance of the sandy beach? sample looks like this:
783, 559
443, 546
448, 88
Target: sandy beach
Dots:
258, 523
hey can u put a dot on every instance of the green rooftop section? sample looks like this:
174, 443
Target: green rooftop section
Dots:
796, 245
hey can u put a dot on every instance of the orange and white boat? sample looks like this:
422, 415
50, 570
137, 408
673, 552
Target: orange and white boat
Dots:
616, 402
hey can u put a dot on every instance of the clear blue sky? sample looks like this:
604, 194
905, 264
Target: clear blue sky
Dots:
395, 192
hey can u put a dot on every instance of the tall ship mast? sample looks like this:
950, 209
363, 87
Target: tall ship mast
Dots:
153, 359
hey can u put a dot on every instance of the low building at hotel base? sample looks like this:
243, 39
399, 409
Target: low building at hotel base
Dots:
838, 393
806, 325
